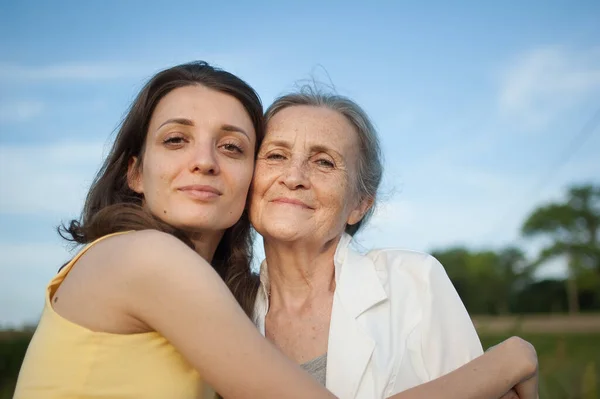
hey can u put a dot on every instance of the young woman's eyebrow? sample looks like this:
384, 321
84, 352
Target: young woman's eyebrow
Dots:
179, 121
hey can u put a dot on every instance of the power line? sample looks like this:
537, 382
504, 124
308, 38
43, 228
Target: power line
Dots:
578, 140
575, 144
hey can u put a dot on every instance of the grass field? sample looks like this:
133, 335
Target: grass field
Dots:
568, 351
569, 362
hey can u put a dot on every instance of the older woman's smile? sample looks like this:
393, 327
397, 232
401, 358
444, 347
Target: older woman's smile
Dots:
291, 201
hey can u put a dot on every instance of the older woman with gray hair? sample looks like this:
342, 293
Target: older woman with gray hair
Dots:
364, 325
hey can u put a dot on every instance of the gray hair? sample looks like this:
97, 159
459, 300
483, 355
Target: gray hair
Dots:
370, 160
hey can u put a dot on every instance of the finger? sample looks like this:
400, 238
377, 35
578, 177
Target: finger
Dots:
512, 394
528, 389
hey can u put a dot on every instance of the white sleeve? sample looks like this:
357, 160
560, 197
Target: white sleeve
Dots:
448, 337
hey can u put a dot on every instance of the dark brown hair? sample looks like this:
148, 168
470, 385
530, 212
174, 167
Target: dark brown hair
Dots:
111, 206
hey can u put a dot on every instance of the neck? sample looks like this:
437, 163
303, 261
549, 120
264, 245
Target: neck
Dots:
206, 243
299, 273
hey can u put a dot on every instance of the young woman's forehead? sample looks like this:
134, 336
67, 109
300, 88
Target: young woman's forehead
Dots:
198, 103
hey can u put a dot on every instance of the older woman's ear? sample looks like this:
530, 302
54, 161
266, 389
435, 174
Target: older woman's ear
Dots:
359, 212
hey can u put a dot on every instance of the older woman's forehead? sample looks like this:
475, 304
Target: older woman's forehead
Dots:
311, 126
311, 139
305, 115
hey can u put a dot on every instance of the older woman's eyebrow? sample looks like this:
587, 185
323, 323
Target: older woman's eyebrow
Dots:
314, 148
277, 143
322, 148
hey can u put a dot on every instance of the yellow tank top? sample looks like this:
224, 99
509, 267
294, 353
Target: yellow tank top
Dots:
65, 360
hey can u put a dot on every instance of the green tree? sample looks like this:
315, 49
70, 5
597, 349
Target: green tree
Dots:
572, 227
511, 275
485, 280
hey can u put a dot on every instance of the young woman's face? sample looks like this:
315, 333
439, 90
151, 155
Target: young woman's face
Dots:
198, 160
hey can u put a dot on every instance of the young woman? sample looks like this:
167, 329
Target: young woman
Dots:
137, 313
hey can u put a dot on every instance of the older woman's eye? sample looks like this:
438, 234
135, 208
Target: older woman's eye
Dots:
325, 162
275, 157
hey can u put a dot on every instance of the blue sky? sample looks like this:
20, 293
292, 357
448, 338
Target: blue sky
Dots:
476, 105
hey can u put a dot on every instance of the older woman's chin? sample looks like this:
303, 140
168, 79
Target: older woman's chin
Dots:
284, 233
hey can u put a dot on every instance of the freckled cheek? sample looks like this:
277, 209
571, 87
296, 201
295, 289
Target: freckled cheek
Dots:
159, 184
260, 179
337, 193
257, 176
160, 189
239, 183
259, 186
164, 178
247, 175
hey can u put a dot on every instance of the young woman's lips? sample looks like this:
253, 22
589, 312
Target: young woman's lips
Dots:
201, 192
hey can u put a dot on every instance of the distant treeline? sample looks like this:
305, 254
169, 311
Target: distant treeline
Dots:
502, 281
13, 345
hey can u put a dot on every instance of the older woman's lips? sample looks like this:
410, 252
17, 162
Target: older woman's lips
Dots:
291, 201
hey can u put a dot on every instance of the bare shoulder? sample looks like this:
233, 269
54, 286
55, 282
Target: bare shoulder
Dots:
117, 266
140, 252
105, 280
146, 243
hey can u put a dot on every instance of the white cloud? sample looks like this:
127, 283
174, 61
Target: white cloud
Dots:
25, 270
446, 202
69, 71
392, 213
20, 111
431, 223
539, 84
51, 179
434, 225
242, 61
41, 180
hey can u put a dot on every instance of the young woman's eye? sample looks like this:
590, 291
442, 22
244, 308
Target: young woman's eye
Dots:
234, 148
174, 141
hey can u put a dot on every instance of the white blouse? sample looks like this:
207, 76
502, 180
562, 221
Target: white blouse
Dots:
396, 322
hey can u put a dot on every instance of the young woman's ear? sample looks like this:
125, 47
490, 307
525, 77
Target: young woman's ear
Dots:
134, 176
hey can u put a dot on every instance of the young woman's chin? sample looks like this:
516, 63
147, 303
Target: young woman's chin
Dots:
203, 224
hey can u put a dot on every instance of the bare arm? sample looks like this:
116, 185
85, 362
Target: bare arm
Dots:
511, 364
175, 292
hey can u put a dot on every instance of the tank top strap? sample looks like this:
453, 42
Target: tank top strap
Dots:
66, 268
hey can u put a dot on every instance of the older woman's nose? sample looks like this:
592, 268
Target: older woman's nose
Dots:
203, 159
296, 176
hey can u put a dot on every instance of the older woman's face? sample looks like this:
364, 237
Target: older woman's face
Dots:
303, 187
